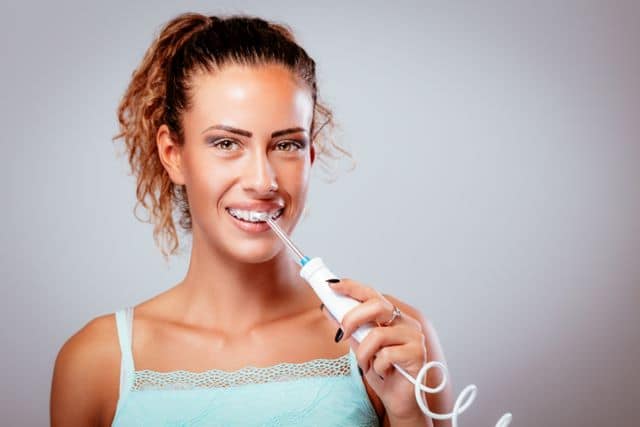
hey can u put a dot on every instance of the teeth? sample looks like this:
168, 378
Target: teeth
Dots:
254, 216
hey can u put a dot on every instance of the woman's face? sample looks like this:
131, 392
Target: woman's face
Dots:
247, 149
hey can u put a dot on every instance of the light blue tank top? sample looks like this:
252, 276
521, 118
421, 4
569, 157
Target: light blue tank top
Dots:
319, 392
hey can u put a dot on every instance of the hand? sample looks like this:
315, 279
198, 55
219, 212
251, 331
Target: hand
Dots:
402, 343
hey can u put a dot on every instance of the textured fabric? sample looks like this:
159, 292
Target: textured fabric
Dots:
320, 392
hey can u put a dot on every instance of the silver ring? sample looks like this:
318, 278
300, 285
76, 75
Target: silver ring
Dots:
396, 313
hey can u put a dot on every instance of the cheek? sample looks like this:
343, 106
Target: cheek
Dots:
207, 180
294, 179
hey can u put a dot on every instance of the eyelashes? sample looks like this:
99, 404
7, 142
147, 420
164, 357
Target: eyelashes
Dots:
297, 145
227, 144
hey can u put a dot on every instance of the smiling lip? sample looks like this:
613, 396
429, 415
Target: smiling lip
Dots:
254, 227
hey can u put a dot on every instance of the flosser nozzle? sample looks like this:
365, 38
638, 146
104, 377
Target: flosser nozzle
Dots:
283, 236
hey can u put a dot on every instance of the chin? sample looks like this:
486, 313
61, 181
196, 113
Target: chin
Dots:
255, 252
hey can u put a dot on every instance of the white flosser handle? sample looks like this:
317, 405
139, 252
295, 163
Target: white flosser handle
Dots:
316, 273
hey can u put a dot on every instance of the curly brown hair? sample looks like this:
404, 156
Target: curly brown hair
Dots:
159, 94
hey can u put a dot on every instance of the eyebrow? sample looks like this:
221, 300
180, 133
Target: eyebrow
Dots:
249, 134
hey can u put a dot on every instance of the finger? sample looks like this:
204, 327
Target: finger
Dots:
402, 355
354, 346
372, 310
354, 289
383, 337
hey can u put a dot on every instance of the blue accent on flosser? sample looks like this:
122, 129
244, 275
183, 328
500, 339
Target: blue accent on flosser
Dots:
304, 260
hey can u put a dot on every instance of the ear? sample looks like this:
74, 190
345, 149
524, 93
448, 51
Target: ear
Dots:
170, 154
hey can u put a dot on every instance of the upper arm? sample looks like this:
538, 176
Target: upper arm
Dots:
441, 402
78, 376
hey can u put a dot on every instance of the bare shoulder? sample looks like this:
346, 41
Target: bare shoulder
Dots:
85, 373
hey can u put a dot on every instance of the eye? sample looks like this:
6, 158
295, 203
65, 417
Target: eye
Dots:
226, 144
289, 146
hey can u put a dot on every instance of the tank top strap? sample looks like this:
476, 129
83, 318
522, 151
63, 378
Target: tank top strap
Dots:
124, 322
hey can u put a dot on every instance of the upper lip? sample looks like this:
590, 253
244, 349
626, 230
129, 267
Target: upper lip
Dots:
257, 206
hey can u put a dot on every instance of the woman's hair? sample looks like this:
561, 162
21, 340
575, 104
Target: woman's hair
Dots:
159, 93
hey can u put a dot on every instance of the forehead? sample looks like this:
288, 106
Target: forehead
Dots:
256, 98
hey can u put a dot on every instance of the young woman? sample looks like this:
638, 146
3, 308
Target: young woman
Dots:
222, 119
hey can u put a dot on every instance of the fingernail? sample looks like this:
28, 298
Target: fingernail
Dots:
360, 370
333, 280
339, 334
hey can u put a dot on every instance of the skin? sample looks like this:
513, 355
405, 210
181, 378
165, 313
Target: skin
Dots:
242, 301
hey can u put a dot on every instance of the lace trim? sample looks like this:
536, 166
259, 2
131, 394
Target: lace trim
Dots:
215, 378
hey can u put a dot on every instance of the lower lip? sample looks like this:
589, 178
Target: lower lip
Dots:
250, 227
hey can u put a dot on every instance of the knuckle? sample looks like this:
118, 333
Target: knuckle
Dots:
415, 323
416, 334
380, 305
377, 334
384, 353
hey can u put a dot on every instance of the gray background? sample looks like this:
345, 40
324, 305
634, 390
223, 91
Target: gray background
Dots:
496, 188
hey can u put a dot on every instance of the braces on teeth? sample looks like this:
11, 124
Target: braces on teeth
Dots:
254, 216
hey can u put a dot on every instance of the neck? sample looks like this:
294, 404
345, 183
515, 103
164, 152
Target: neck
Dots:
226, 294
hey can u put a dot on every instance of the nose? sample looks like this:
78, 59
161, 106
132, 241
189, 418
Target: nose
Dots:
259, 176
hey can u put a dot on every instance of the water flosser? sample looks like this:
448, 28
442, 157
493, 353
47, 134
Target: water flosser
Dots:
316, 273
